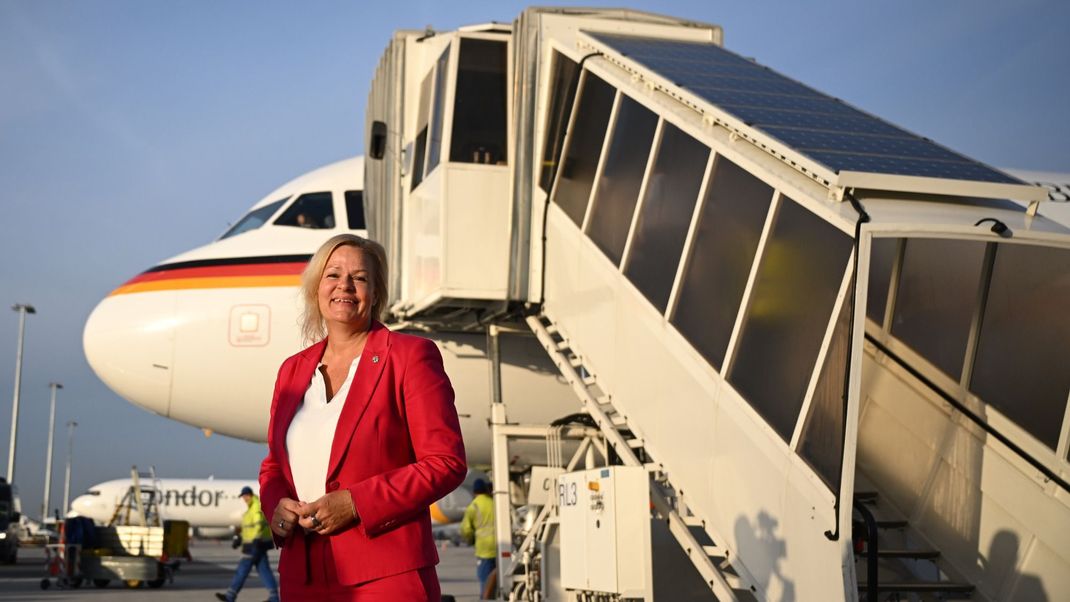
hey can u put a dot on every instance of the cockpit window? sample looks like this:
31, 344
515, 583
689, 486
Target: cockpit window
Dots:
254, 219
311, 210
92, 492
355, 209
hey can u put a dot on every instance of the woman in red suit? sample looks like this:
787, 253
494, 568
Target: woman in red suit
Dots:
363, 438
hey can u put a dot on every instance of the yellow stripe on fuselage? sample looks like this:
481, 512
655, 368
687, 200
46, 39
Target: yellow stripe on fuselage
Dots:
218, 282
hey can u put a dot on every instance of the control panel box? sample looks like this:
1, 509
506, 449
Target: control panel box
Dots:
604, 518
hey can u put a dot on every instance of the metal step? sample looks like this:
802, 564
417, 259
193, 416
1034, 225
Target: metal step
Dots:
915, 554
892, 524
867, 497
926, 587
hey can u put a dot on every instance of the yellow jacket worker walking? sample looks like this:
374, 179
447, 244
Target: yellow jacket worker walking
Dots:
478, 527
255, 543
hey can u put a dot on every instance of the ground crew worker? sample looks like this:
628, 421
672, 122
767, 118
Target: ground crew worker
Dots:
255, 542
478, 527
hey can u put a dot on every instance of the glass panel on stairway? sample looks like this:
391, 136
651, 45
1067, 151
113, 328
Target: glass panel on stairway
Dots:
421, 127
1020, 366
434, 145
614, 200
882, 257
563, 81
802, 266
587, 135
480, 103
665, 214
938, 287
821, 444
720, 259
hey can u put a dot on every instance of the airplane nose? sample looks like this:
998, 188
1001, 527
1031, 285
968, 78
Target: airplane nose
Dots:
129, 340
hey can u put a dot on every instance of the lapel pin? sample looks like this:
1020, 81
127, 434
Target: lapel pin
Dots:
375, 359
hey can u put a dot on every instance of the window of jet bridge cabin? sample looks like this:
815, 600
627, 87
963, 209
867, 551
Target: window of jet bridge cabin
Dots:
480, 103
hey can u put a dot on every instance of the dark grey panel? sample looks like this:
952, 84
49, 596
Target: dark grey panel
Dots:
588, 133
622, 175
794, 299
1020, 367
668, 203
938, 286
816, 125
720, 259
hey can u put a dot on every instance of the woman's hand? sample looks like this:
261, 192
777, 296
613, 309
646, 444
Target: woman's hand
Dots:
285, 517
330, 513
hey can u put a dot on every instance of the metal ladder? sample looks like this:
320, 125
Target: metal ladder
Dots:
871, 550
726, 579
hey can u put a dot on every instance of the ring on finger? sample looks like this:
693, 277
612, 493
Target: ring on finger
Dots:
316, 524
282, 524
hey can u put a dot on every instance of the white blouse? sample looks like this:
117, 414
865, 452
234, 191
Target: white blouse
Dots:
308, 442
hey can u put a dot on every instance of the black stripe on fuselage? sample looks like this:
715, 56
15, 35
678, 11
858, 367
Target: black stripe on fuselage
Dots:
205, 263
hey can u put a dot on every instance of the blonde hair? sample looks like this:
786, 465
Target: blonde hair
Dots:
313, 328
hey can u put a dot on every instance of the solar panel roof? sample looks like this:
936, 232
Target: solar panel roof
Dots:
815, 125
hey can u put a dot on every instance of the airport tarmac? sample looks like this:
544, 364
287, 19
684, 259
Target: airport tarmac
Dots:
210, 572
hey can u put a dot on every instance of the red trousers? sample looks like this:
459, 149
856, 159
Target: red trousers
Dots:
322, 585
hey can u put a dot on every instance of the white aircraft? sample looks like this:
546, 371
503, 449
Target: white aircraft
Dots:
213, 507
199, 337
1058, 185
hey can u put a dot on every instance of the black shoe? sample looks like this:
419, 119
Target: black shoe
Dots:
219, 596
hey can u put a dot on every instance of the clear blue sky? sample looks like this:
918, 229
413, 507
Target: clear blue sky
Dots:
133, 130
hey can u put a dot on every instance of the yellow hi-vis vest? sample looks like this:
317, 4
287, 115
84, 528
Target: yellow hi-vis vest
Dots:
253, 524
478, 524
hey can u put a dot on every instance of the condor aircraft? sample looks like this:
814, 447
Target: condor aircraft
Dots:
199, 337
213, 507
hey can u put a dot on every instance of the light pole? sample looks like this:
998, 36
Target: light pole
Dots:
70, 454
48, 455
23, 309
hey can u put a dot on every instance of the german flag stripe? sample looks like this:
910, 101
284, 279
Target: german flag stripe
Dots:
242, 272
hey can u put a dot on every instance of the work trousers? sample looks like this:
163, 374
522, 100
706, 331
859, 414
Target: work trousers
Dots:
255, 554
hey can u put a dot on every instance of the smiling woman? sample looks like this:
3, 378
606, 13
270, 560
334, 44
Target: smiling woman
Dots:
363, 437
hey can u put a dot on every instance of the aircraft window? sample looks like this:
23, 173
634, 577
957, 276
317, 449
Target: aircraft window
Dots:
720, 259
254, 219
434, 146
421, 138
934, 307
355, 209
618, 187
793, 300
585, 146
1020, 365
479, 105
563, 81
665, 214
821, 444
313, 210
882, 256
92, 492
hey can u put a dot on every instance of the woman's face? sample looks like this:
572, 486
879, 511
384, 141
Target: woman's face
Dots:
345, 290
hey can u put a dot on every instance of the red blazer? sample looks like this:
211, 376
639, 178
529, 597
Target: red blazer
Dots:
397, 449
